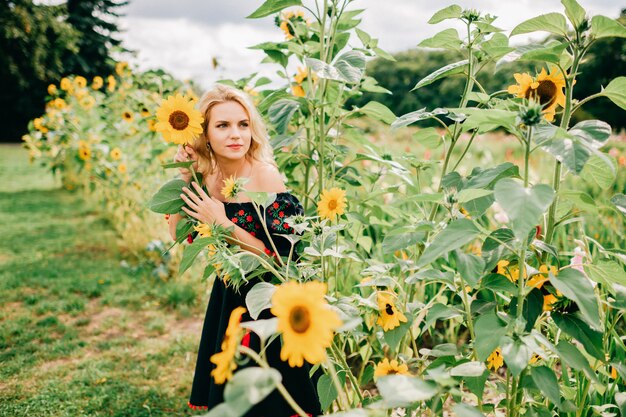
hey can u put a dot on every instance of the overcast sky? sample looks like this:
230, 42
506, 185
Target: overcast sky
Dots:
183, 36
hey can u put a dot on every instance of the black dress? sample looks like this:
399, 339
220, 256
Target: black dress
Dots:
205, 393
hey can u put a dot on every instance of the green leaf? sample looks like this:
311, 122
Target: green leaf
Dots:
451, 69
259, 298
451, 12
440, 312
465, 410
522, 205
550, 22
403, 390
458, 233
486, 178
185, 164
273, 6
428, 137
616, 91
394, 242
580, 330
249, 386
394, 336
327, 391
281, 112
516, 355
497, 282
470, 267
473, 368
384, 54
365, 39
546, 381
550, 53
262, 328
485, 120
574, 12
607, 273
466, 195
581, 200
605, 27
594, 132
167, 200
619, 201
191, 251
575, 286
378, 111
573, 358
489, 330
415, 116
446, 39
351, 66
596, 171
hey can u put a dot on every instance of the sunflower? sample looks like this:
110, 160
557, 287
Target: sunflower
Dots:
111, 83
548, 300
298, 91
128, 116
538, 280
59, 103
52, 89
152, 125
144, 112
80, 82
116, 154
305, 320
388, 316
385, 367
495, 360
301, 75
205, 230
549, 92
97, 83
121, 67
122, 168
84, 153
332, 203
225, 360
178, 121
65, 84
87, 102
38, 125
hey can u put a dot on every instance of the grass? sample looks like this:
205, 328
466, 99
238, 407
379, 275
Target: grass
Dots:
80, 334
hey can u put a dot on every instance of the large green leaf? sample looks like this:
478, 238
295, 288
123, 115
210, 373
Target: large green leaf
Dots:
191, 251
281, 112
594, 133
451, 12
167, 200
546, 381
378, 111
489, 330
458, 233
598, 172
415, 116
580, 330
326, 390
259, 298
351, 66
470, 267
551, 53
616, 91
429, 137
465, 410
573, 358
570, 152
516, 354
607, 273
394, 336
446, 39
485, 120
619, 200
605, 27
522, 205
273, 6
248, 387
440, 312
403, 390
574, 12
451, 69
550, 22
575, 286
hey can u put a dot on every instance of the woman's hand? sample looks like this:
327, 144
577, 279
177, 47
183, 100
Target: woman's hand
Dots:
184, 154
204, 208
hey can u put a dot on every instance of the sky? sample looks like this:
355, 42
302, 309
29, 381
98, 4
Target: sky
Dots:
184, 36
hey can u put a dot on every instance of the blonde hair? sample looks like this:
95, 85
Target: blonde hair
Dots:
260, 148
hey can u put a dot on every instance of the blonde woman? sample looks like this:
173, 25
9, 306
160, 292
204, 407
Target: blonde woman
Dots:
234, 144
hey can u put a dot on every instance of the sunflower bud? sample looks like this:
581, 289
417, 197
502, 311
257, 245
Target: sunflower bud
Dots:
530, 115
471, 15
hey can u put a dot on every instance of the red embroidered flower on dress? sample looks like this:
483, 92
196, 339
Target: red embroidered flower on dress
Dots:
281, 214
275, 205
249, 218
241, 212
234, 220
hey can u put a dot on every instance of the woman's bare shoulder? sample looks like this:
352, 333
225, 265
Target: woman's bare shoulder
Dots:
266, 178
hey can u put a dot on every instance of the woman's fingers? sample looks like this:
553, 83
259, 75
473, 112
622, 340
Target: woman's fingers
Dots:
191, 199
200, 191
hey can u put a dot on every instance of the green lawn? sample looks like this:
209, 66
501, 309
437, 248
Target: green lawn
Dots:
80, 334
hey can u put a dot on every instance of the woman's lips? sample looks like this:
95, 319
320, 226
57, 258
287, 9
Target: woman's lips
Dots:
234, 146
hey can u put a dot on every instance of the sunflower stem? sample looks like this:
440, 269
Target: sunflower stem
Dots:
281, 388
342, 397
342, 360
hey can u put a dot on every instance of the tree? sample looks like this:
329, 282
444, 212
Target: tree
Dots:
33, 40
89, 18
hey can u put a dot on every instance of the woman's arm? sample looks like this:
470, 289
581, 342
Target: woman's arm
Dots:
172, 222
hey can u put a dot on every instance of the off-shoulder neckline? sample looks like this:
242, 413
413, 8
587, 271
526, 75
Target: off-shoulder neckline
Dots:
250, 202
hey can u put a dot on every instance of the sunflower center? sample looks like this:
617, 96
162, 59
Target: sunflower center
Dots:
545, 92
299, 319
389, 309
179, 120
332, 204
392, 371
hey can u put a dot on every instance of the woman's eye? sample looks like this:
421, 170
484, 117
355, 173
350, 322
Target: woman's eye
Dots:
244, 124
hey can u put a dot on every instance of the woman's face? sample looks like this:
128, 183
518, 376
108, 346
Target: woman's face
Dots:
229, 130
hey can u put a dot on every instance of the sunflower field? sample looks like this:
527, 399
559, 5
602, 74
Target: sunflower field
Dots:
436, 276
